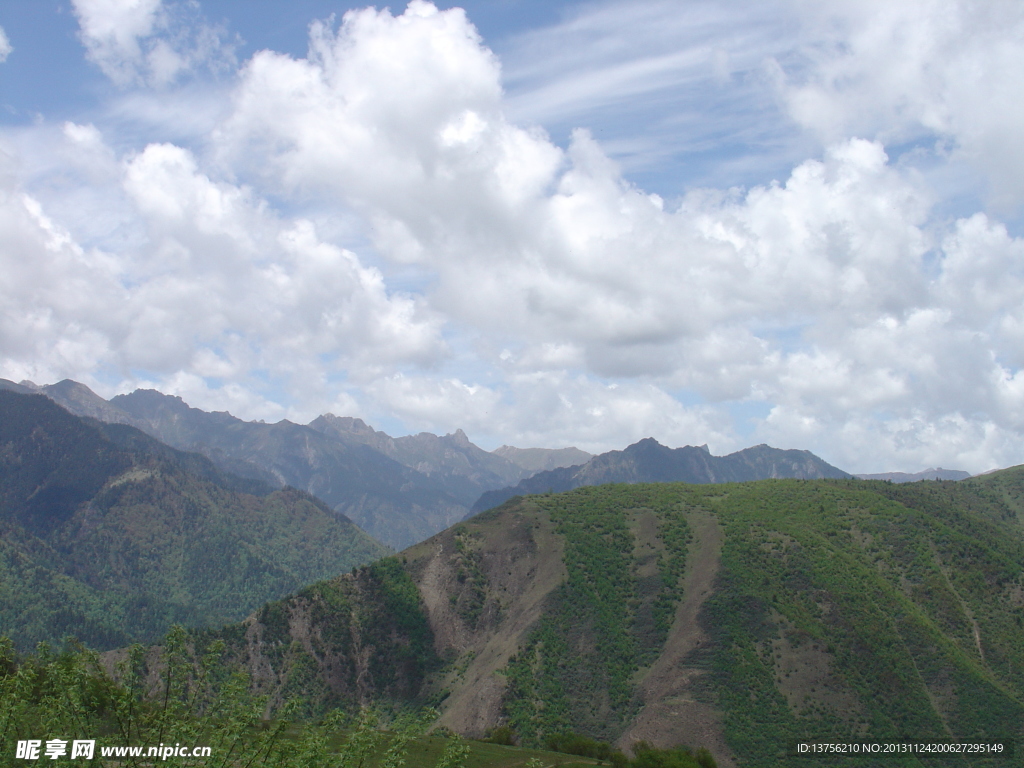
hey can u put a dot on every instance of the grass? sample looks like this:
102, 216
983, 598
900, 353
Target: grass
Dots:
426, 751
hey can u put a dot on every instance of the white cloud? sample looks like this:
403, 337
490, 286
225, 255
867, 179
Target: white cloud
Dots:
819, 295
607, 54
5, 46
551, 301
939, 70
111, 31
225, 265
216, 287
59, 301
135, 41
552, 409
711, 89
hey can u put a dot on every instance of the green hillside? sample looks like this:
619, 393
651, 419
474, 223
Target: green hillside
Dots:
112, 537
737, 617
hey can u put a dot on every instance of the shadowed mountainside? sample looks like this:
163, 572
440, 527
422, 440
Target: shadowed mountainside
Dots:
401, 490
111, 536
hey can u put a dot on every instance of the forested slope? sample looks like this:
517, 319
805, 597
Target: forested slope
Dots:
740, 617
111, 536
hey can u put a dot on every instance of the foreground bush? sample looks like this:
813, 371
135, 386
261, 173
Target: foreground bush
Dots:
61, 697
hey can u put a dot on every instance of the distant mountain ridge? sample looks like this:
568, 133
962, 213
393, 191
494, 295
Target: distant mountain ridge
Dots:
543, 459
464, 467
399, 489
648, 461
112, 536
932, 473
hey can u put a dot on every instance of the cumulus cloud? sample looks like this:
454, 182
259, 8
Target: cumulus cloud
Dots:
555, 247
149, 41
216, 287
553, 301
553, 408
664, 82
939, 70
59, 301
828, 295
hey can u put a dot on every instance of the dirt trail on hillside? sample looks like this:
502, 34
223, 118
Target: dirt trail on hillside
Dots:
523, 563
435, 587
671, 715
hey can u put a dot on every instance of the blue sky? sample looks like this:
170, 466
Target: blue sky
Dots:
544, 223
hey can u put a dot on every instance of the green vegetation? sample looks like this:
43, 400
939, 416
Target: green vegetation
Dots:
338, 643
112, 537
839, 610
884, 597
575, 671
646, 755
844, 610
68, 695
651, 757
181, 700
469, 603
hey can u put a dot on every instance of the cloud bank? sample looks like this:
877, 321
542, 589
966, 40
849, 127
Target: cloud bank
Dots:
367, 230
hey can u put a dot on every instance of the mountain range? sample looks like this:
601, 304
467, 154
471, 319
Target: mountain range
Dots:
932, 473
111, 536
399, 490
726, 612
650, 462
402, 490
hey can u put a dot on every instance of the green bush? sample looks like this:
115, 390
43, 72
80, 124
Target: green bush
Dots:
68, 695
501, 735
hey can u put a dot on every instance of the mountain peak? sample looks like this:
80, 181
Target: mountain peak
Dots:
647, 442
459, 437
349, 424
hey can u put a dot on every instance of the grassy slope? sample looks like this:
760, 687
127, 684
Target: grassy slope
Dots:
425, 752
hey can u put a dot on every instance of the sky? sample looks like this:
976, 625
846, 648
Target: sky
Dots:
545, 223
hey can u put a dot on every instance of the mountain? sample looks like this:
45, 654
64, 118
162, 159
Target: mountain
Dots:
928, 474
112, 536
464, 469
399, 489
541, 459
394, 503
650, 462
742, 617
